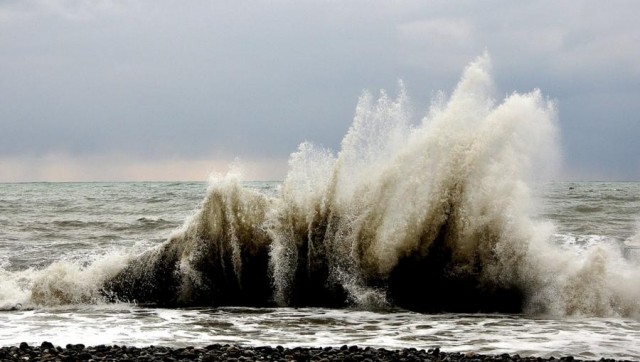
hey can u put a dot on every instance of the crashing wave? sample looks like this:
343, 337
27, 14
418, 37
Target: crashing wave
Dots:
430, 216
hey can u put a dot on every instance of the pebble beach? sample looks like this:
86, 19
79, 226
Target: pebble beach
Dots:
232, 353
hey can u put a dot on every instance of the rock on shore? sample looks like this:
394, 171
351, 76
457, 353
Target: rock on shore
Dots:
78, 352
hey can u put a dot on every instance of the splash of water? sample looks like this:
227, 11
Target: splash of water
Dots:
219, 257
430, 215
443, 202
61, 283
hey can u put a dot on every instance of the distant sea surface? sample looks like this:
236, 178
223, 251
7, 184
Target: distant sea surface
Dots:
73, 232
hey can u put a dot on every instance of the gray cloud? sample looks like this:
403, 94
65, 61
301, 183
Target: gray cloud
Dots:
214, 80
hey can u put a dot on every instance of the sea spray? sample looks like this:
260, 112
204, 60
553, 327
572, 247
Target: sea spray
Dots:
431, 215
437, 207
601, 282
61, 283
219, 257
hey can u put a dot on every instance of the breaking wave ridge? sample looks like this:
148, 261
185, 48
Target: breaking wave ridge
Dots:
430, 216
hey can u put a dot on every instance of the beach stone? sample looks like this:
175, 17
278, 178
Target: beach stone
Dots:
187, 354
47, 345
233, 351
210, 357
24, 352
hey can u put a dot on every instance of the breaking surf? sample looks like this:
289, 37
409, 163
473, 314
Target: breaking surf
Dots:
430, 214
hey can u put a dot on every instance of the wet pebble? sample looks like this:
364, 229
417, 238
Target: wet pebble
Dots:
79, 352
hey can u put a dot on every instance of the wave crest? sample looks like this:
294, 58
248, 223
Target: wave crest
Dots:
432, 216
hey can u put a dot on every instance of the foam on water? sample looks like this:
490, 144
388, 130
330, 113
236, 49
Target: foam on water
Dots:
61, 283
122, 324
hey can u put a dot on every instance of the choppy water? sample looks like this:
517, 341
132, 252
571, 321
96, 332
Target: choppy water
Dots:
417, 233
44, 223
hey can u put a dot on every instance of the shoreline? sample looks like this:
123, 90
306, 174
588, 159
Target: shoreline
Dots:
226, 352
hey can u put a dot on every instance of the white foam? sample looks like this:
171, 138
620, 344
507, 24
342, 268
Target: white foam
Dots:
393, 187
61, 283
122, 324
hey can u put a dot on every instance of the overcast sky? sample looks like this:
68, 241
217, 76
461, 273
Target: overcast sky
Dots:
172, 90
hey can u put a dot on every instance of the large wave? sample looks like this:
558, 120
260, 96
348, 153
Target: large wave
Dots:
430, 216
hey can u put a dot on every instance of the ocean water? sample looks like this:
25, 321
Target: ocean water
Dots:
79, 224
419, 232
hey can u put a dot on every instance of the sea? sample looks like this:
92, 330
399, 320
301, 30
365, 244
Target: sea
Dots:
64, 229
439, 231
